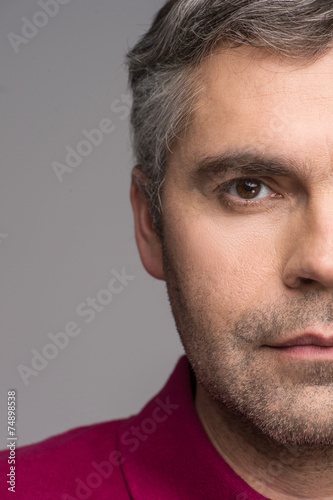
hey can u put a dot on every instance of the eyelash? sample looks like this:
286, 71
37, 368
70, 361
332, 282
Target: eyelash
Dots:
223, 188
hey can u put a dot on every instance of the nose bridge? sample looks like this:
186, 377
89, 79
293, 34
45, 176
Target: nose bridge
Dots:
312, 254
319, 217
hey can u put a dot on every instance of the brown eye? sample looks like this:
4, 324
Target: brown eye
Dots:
248, 188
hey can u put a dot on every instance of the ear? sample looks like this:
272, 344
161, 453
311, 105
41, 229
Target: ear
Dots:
149, 245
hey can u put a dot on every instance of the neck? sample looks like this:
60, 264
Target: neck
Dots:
277, 471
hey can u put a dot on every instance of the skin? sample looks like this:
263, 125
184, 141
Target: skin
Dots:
243, 276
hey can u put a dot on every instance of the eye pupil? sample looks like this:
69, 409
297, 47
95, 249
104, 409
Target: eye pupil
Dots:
248, 189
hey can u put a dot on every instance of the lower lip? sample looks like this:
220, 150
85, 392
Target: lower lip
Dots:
306, 351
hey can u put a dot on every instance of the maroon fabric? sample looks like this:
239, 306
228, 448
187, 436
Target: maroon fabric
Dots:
163, 453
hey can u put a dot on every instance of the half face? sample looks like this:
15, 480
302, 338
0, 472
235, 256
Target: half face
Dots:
248, 249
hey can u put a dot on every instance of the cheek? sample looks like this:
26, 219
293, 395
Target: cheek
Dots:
231, 260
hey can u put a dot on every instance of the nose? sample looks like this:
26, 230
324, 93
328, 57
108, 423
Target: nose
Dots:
310, 257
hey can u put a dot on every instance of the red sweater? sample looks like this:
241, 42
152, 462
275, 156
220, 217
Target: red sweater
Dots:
162, 453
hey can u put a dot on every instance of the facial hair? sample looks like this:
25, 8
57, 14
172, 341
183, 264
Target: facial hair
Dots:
289, 402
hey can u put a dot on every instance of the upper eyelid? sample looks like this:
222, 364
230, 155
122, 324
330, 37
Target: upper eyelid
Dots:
231, 182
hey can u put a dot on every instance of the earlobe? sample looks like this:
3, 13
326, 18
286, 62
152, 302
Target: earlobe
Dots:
149, 245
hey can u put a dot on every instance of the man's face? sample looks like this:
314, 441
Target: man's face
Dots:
248, 240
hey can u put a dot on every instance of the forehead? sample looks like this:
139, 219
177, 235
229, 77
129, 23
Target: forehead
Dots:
240, 80
251, 100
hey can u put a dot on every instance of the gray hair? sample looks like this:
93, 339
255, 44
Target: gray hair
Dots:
184, 32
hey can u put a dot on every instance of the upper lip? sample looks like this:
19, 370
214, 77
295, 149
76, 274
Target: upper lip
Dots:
308, 339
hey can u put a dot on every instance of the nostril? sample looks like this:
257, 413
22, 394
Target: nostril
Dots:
306, 281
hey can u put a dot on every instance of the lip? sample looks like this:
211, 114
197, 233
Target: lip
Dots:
306, 345
307, 340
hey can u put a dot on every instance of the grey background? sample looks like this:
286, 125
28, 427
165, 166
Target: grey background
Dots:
59, 241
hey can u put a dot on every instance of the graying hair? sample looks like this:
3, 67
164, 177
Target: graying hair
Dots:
184, 32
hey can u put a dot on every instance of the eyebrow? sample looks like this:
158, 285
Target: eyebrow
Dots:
243, 162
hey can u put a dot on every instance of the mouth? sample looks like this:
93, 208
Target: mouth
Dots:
308, 339
305, 346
